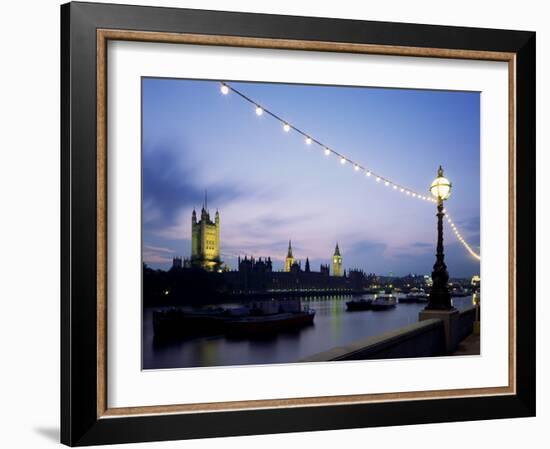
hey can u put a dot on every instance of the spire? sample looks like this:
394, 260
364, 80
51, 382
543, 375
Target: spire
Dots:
337, 250
289, 254
205, 215
307, 269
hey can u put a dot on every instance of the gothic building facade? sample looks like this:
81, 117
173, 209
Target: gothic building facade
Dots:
337, 269
295, 266
205, 240
289, 261
205, 253
257, 274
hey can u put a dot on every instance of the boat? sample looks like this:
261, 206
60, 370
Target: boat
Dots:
270, 323
255, 317
179, 322
414, 296
359, 304
384, 302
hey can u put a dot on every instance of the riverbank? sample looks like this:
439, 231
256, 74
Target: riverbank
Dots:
422, 339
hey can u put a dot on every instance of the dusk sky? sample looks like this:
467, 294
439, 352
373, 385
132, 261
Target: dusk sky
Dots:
269, 186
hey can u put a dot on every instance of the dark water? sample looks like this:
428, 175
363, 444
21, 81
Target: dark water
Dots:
333, 326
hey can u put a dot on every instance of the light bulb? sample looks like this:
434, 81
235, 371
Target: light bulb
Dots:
308, 140
377, 179
286, 127
356, 167
224, 89
368, 173
327, 152
259, 110
342, 160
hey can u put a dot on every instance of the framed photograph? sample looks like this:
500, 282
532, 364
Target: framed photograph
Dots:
283, 224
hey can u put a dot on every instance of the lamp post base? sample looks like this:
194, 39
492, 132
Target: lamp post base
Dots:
450, 320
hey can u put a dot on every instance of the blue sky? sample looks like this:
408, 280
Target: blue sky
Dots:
269, 186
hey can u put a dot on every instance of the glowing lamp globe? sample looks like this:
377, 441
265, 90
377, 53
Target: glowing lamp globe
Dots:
441, 187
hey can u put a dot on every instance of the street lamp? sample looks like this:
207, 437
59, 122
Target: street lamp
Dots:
441, 187
440, 298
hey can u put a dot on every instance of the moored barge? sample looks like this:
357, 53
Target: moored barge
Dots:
254, 318
359, 304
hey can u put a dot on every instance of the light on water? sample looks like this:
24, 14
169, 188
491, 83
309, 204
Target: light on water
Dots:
333, 326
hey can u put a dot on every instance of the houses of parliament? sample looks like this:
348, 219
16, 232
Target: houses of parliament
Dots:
205, 250
257, 274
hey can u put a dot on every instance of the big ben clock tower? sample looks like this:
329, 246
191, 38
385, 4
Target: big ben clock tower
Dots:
337, 262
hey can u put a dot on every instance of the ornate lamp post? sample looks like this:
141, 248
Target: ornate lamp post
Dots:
440, 298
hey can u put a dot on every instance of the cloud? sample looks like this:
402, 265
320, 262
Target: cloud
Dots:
363, 253
459, 262
149, 257
158, 249
276, 250
157, 254
368, 246
412, 250
470, 228
169, 186
422, 245
471, 224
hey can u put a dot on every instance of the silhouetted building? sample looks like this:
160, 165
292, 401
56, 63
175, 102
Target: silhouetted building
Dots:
358, 279
249, 280
177, 263
296, 267
252, 265
257, 275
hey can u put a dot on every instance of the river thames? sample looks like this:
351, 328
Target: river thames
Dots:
333, 326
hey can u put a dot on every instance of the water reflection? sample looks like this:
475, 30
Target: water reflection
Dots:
333, 326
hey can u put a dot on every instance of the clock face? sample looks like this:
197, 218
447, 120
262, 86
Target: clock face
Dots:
335, 260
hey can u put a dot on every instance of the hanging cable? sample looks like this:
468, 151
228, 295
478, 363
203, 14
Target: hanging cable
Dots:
226, 88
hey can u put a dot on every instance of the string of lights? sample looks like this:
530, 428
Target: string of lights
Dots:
225, 89
459, 236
